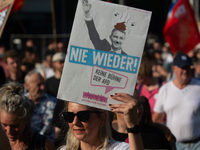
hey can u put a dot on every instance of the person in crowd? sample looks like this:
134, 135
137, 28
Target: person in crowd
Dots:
197, 52
196, 63
4, 143
2, 76
52, 84
147, 119
2, 63
27, 65
148, 85
51, 87
12, 61
157, 68
179, 99
31, 44
48, 70
47, 62
51, 49
15, 115
32, 55
157, 45
167, 57
158, 56
45, 104
61, 47
89, 126
152, 137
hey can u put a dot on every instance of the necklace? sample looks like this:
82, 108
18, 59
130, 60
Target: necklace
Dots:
95, 148
99, 146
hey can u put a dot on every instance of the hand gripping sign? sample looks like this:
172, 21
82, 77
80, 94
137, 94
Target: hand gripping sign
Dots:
104, 53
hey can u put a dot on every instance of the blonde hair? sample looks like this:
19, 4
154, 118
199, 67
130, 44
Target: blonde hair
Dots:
12, 100
104, 133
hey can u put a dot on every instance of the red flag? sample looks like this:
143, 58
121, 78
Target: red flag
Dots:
181, 30
18, 4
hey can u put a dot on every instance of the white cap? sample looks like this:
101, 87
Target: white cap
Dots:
60, 56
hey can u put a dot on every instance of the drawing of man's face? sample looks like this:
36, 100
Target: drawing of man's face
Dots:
117, 37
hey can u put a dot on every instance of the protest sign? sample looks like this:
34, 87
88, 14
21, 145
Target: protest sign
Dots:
104, 53
5, 7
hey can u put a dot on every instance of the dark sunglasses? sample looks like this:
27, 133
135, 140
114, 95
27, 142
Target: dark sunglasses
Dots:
83, 116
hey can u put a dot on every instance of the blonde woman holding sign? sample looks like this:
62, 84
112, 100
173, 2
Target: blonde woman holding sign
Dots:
90, 128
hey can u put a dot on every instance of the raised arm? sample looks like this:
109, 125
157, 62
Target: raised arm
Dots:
86, 8
129, 109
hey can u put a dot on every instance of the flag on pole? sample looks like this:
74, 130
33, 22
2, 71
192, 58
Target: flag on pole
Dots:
18, 4
181, 30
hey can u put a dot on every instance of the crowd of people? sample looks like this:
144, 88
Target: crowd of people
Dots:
162, 113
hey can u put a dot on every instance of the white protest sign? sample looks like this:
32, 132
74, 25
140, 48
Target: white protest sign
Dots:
104, 53
5, 8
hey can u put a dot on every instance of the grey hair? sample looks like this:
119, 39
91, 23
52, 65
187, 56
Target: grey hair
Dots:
27, 77
12, 100
104, 133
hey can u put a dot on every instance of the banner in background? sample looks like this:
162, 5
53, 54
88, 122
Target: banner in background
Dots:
181, 30
104, 53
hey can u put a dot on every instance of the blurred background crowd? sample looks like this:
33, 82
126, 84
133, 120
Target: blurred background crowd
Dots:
38, 67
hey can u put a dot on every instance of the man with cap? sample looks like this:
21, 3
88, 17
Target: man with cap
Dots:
51, 87
52, 84
179, 99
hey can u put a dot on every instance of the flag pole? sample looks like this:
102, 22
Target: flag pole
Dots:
53, 20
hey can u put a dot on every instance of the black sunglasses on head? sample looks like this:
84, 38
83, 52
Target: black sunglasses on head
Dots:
83, 116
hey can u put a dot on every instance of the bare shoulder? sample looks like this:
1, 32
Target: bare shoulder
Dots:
49, 145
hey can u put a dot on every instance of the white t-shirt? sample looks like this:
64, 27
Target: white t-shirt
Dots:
182, 107
112, 145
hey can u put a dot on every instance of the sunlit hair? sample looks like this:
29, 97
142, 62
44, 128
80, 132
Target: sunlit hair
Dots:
12, 100
104, 133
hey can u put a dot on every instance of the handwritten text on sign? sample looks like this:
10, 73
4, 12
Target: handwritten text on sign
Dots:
108, 60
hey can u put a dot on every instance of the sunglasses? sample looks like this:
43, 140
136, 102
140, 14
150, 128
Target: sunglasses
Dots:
83, 116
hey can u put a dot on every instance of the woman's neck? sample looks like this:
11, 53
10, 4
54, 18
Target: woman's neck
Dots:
92, 145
